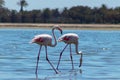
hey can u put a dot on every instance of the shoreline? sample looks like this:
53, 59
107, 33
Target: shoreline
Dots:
64, 26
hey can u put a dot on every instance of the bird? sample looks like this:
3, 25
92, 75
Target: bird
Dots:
68, 39
46, 40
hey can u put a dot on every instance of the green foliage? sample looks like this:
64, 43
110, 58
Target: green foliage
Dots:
77, 14
22, 3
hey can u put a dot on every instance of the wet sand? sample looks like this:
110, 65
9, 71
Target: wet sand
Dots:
64, 26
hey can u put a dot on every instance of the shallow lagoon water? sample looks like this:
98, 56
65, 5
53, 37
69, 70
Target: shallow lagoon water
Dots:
101, 56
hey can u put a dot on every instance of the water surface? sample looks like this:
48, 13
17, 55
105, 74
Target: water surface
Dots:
101, 56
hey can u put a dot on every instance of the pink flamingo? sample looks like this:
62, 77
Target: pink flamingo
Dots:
46, 40
70, 38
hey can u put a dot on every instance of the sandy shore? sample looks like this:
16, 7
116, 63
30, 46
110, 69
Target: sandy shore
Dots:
64, 26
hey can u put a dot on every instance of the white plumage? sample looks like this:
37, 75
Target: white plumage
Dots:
45, 40
42, 39
70, 38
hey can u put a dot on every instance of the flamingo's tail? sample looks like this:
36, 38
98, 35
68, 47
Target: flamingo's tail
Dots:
59, 40
32, 41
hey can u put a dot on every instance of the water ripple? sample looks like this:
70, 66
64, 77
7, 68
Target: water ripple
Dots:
100, 56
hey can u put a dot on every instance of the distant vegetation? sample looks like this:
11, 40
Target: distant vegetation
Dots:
76, 14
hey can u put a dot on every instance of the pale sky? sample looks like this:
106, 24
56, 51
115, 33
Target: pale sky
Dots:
52, 4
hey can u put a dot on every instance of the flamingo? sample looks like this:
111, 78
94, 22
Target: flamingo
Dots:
70, 38
45, 40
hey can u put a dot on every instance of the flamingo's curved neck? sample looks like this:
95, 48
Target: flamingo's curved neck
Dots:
76, 48
55, 41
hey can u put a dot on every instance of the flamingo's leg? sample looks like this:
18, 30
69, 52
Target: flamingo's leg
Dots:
61, 56
38, 60
49, 60
71, 57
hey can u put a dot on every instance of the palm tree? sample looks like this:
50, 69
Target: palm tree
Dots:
22, 4
2, 2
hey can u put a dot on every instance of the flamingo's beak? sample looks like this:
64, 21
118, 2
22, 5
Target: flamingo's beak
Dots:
60, 30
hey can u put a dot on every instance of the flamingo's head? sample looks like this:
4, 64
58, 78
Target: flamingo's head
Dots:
80, 58
80, 52
58, 28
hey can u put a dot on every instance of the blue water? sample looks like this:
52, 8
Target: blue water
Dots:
101, 56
